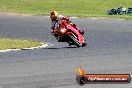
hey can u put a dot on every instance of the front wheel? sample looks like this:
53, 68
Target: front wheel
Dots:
74, 40
84, 44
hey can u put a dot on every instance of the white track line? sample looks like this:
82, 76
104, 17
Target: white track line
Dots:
121, 19
70, 17
42, 46
74, 17
93, 18
2, 51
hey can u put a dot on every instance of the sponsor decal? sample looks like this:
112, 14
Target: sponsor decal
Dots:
83, 78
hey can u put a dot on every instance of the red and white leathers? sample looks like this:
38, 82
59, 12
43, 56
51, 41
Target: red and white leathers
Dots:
58, 20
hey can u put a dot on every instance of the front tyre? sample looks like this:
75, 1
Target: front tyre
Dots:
74, 40
84, 44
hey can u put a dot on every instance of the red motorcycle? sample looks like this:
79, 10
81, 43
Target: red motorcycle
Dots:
65, 32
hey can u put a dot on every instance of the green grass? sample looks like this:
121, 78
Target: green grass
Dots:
81, 8
17, 43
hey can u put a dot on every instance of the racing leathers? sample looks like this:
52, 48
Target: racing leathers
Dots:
55, 23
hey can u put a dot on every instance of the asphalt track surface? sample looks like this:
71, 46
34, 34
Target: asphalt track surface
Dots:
109, 50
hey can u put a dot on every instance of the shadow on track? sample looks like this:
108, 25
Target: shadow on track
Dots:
60, 48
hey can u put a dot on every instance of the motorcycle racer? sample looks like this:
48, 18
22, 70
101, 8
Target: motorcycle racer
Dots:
65, 31
57, 19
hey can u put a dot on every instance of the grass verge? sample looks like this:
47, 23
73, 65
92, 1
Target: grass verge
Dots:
80, 8
17, 43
